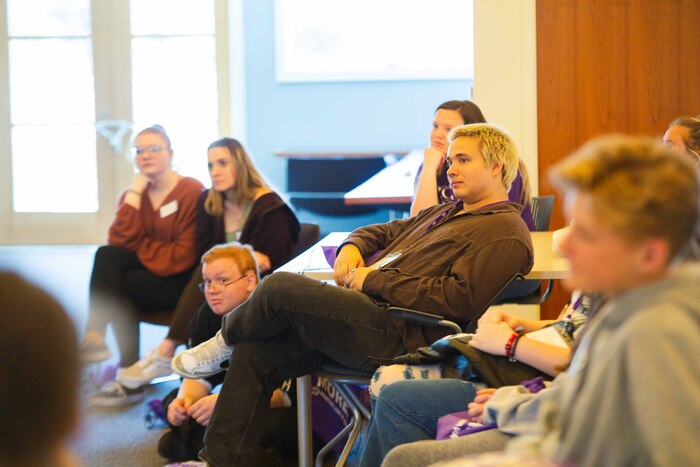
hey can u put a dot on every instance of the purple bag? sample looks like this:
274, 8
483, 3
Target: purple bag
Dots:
459, 424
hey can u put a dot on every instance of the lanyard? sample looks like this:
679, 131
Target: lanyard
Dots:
442, 216
445, 214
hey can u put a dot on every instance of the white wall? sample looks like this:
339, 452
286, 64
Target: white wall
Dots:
505, 71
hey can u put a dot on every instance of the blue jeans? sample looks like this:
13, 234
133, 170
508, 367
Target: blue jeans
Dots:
289, 327
407, 411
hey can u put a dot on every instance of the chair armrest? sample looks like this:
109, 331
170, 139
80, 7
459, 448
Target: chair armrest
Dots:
423, 318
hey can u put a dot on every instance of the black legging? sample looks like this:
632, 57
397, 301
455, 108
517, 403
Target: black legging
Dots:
191, 299
120, 288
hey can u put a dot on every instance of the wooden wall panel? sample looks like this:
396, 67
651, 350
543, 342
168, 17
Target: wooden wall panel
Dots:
598, 61
604, 66
688, 56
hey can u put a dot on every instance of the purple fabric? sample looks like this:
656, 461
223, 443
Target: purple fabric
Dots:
514, 195
330, 251
459, 424
329, 411
155, 416
534, 385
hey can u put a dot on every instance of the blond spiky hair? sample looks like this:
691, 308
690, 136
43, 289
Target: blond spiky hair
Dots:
495, 144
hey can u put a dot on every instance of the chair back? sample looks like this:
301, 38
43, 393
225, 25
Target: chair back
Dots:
542, 211
309, 234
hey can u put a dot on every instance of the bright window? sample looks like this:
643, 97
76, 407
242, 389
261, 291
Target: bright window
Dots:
167, 72
328, 40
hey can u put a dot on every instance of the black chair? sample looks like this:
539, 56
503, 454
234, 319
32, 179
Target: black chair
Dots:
542, 212
523, 291
342, 378
319, 184
309, 234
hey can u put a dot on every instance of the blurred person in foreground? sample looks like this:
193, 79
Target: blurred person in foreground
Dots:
630, 395
40, 407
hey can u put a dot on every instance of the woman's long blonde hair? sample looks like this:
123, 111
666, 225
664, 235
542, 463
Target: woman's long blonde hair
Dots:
247, 181
525, 185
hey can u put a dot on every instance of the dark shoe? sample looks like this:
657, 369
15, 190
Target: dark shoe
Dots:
171, 447
115, 395
204, 458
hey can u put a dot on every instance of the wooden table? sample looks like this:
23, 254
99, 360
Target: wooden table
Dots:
312, 263
391, 185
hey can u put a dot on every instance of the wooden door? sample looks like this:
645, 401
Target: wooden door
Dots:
605, 66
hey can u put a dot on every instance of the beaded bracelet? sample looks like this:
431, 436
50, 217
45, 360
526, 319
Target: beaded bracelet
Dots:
509, 344
510, 353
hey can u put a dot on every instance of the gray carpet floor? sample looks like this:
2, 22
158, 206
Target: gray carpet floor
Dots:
119, 436
106, 436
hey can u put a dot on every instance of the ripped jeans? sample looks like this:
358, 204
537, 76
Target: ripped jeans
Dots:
289, 327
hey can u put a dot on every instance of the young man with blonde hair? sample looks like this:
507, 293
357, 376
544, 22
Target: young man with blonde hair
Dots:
630, 395
450, 259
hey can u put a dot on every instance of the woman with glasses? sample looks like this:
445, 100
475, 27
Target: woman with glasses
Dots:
149, 258
241, 207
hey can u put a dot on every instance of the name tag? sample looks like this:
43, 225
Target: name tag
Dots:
386, 260
168, 209
548, 335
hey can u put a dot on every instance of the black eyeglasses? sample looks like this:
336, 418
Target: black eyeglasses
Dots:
218, 283
152, 149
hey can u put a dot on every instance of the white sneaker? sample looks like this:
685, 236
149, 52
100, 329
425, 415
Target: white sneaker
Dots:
207, 359
93, 353
139, 374
114, 395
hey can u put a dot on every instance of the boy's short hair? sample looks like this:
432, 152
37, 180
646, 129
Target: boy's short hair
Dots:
638, 186
242, 255
495, 144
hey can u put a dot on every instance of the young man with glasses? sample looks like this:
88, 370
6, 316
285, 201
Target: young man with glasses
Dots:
230, 275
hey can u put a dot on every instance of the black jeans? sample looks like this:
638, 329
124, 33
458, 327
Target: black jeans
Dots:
120, 288
288, 327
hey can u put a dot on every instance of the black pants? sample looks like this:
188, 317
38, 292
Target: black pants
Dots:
120, 288
287, 328
279, 433
190, 301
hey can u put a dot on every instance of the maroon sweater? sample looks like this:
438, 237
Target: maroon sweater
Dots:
164, 245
